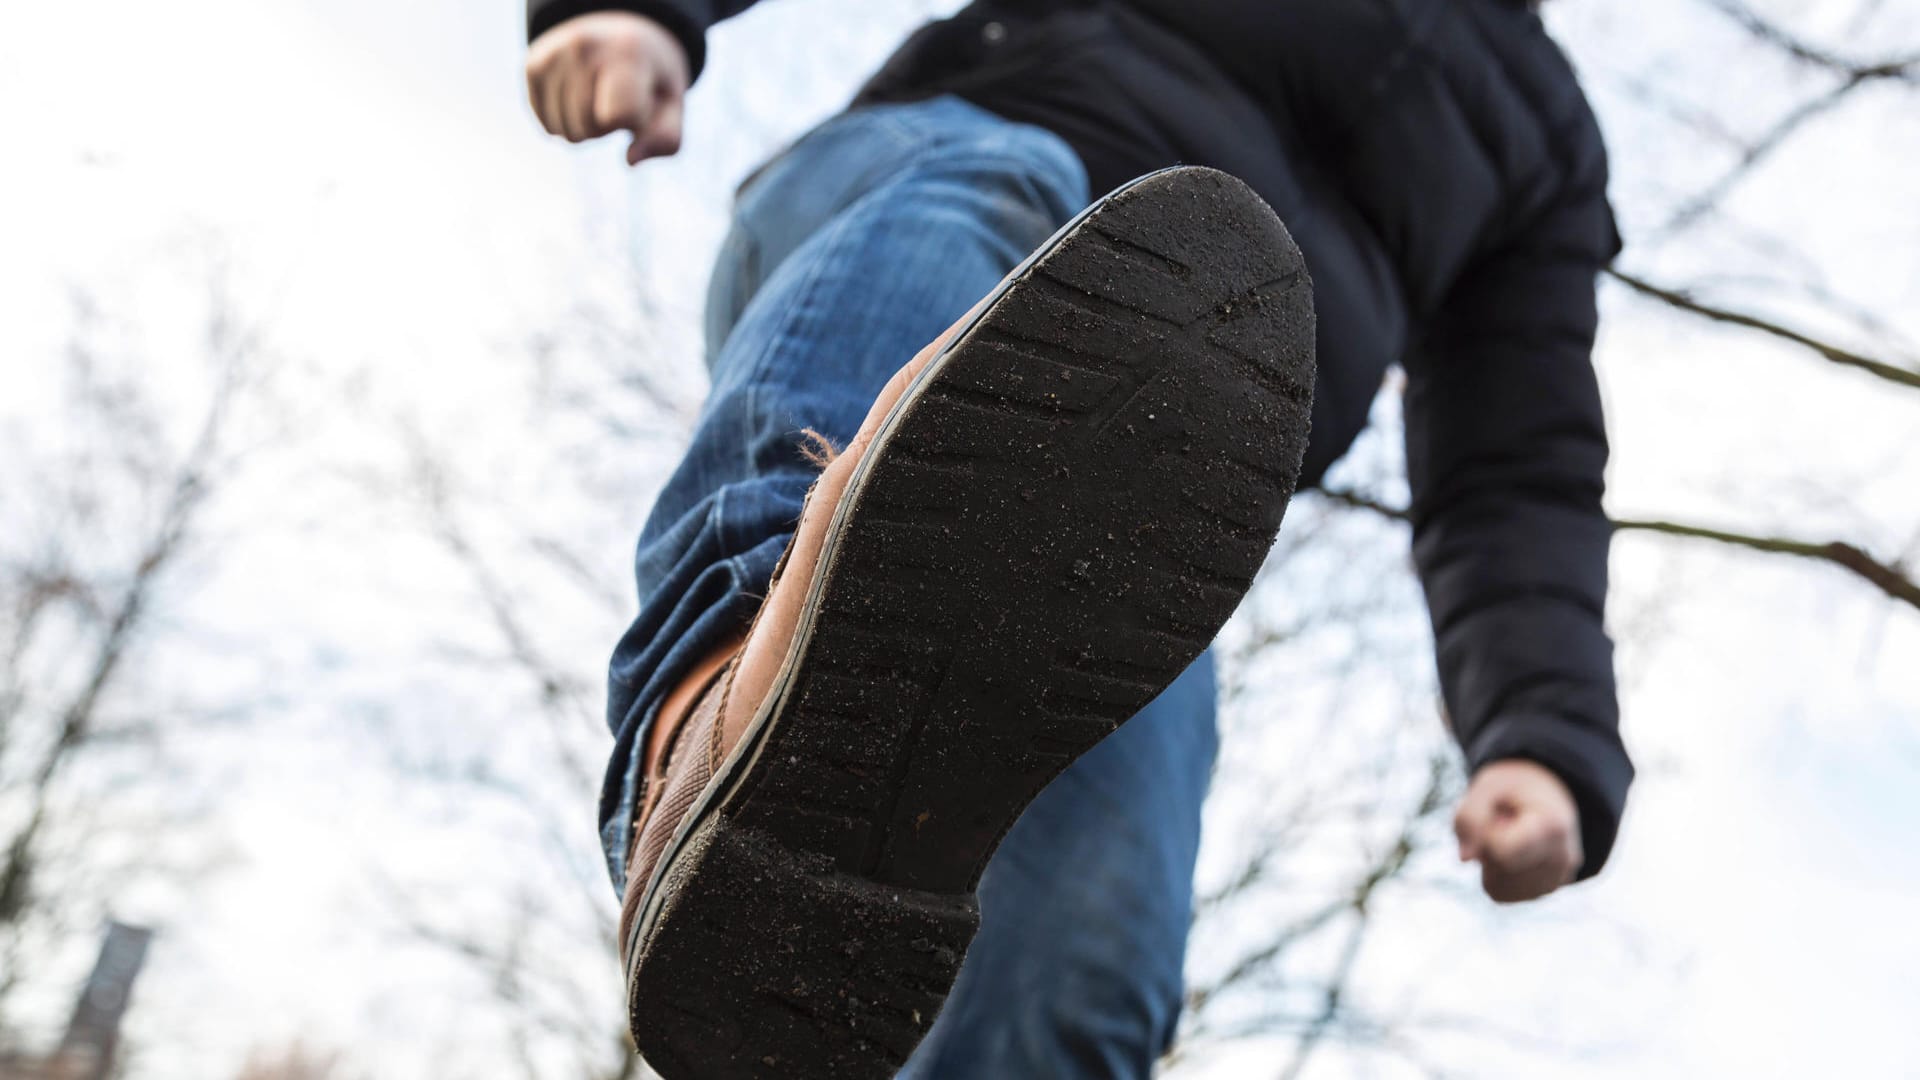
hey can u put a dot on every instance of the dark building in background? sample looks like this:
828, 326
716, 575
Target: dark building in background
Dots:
89, 1048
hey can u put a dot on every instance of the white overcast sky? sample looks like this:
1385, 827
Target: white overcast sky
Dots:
390, 213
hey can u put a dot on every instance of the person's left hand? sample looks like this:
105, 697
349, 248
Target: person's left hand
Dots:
1519, 822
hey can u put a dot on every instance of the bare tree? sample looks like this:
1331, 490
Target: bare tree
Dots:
106, 498
546, 953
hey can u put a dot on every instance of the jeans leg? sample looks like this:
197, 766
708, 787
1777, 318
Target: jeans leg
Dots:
849, 253
1085, 907
964, 198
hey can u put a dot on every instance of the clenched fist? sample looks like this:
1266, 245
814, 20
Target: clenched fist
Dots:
610, 71
1520, 823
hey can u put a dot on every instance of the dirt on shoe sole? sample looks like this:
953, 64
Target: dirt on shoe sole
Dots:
1053, 523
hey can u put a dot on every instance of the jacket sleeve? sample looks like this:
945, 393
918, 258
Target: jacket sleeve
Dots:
688, 20
1506, 449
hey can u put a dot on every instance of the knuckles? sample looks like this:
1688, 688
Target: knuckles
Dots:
586, 49
1558, 834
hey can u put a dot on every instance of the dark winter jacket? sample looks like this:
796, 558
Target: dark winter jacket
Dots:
1440, 168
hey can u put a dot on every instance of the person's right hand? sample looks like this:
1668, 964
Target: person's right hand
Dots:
610, 71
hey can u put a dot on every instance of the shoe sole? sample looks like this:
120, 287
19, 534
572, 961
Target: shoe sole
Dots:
1052, 524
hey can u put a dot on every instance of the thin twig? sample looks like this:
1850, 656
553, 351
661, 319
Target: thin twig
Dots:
1902, 68
1889, 579
1704, 201
1893, 579
1682, 300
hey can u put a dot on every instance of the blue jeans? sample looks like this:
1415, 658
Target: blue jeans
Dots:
850, 252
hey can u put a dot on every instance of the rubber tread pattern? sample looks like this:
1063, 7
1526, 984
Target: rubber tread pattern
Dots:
1054, 524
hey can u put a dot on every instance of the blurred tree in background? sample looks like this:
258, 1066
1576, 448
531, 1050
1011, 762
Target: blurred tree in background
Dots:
104, 501
437, 586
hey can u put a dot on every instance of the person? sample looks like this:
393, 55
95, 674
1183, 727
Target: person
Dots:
886, 607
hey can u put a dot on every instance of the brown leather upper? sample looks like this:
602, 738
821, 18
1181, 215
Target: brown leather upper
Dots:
692, 735
680, 763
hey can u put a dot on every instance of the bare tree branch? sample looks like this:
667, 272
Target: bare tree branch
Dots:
1683, 301
1362, 501
1892, 579
1772, 33
521, 977
1851, 74
1708, 198
1355, 906
75, 725
1651, 94
1334, 996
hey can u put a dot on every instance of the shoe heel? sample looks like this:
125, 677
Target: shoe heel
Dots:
763, 961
